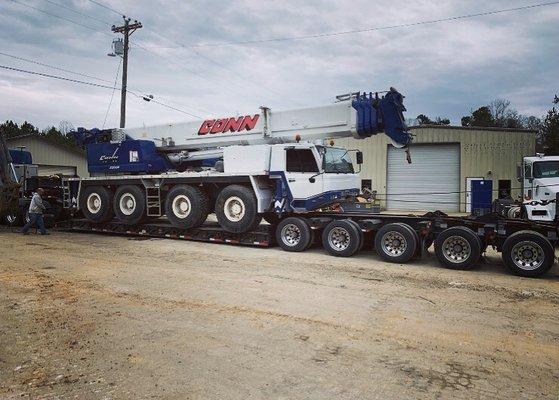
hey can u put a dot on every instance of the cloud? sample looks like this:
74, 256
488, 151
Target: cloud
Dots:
444, 69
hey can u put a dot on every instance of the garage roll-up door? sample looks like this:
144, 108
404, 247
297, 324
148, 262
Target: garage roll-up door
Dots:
46, 170
431, 182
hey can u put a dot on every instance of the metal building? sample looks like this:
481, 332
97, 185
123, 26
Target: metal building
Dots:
445, 160
51, 158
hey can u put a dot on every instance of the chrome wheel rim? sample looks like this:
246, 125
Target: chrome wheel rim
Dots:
339, 238
394, 243
291, 235
94, 203
181, 206
127, 203
527, 255
456, 249
234, 209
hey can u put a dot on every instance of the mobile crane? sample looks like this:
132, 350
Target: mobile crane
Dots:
280, 166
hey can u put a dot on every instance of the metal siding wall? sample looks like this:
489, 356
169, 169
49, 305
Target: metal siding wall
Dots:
48, 154
480, 151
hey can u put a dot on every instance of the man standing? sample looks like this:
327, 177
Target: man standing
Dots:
36, 209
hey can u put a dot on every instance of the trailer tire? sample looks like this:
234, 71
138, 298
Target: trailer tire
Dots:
528, 253
236, 209
187, 206
361, 234
341, 238
294, 234
96, 204
396, 242
129, 204
458, 248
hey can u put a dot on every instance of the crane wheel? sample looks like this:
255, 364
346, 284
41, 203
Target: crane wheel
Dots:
396, 242
187, 206
129, 204
528, 253
96, 204
341, 238
236, 209
458, 248
294, 234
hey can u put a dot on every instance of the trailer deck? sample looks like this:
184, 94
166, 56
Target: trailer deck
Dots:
263, 236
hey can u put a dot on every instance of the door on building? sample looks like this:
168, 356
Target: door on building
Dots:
469, 181
431, 182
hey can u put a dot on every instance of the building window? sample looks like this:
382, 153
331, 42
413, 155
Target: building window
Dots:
366, 184
504, 188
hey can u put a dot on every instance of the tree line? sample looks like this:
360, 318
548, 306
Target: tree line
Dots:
499, 114
60, 135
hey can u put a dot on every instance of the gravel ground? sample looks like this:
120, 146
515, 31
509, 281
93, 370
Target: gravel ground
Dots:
100, 317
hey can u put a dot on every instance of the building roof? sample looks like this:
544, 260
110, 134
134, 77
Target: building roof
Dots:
74, 150
473, 128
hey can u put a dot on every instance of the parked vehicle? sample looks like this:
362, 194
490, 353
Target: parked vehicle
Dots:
283, 167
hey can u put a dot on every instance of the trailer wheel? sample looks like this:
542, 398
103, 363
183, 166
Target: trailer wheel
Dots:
341, 238
396, 242
96, 204
187, 206
129, 204
361, 234
294, 234
528, 253
236, 209
458, 248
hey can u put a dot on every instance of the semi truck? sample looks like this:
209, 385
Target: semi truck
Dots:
283, 167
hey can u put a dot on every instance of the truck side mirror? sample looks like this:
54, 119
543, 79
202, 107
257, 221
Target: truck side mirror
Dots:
519, 173
359, 157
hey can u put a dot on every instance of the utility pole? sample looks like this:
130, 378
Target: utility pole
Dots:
127, 29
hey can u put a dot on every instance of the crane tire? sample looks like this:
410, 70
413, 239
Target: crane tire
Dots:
528, 253
187, 206
236, 209
96, 204
129, 204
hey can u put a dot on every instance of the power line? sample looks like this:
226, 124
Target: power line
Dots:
106, 7
77, 12
60, 17
53, 67
56, 77
95, 85
112, 94
378, 28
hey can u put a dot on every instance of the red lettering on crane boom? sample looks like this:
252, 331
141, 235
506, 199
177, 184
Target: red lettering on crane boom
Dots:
224, 125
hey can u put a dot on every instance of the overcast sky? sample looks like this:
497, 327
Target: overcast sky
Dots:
444, 69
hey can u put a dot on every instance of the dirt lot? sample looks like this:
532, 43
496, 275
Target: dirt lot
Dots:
100, 317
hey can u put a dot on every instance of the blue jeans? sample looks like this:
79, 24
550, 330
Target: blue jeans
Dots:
35, 218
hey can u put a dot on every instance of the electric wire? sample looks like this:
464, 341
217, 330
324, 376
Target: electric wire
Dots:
96, 85
106, 7
378, 28
73, 10
60, 17
112, 94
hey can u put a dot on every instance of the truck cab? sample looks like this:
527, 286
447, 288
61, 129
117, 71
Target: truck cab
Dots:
539, 176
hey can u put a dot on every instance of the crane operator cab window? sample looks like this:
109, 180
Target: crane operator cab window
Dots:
336, 161
301, 160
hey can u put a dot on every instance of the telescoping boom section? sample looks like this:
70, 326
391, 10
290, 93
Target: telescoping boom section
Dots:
160, 148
